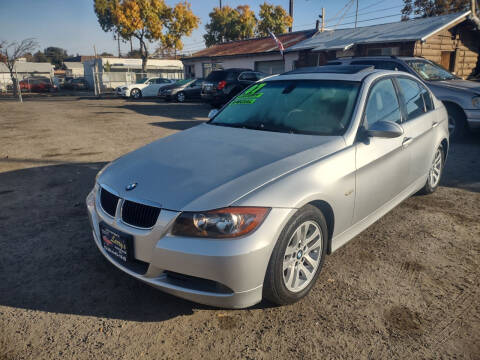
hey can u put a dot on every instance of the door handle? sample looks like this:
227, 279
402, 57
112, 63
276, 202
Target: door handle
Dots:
435, 124
406, 141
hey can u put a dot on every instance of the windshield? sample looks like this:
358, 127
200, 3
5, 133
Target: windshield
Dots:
319, 107
430, 71
141, 81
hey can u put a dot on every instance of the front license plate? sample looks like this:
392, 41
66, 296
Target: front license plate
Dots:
117, 244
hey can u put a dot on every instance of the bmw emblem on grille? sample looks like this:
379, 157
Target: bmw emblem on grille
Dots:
131, 186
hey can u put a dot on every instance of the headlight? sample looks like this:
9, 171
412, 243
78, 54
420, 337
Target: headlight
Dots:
168, 91
124, 88
476, 101
221, 223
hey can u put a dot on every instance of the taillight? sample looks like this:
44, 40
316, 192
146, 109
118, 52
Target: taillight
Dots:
221, 84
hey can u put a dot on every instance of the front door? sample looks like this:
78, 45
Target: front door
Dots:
382, 164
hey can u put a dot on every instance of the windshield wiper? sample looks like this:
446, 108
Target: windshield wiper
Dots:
259, 126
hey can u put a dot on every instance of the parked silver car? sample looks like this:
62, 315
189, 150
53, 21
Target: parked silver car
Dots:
460, 97
246, 206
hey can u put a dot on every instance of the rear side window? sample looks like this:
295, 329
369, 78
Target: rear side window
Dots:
412, 94
382, 103
217, 76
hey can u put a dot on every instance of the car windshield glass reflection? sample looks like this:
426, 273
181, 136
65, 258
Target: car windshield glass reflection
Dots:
429, 71
141, 81
317, 107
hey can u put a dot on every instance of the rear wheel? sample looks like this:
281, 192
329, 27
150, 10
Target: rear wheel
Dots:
136, 93
297, 258
435, 173
457, 122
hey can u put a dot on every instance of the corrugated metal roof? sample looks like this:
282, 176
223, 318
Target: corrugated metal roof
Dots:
28, 67
252, 46
412, 30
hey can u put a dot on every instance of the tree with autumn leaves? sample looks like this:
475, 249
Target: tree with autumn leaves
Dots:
228, 24
147, 21
427, 8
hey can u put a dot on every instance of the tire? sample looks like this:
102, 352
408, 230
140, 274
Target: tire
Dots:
435, 172
286, 279
181, 97
135, 93
457, 122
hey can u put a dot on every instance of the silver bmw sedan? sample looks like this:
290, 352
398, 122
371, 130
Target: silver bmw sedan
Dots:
247, 205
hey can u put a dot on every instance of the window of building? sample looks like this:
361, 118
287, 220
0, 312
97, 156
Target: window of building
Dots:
385, 51
209, 67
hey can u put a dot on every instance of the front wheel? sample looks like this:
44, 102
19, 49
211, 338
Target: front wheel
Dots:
435, 172
297, 258
136, 93
181, 97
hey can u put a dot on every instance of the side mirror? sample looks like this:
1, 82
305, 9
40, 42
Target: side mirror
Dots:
385, 129
212, 113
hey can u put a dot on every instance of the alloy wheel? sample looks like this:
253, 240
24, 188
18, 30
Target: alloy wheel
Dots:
181, 97
436, 169
302, 256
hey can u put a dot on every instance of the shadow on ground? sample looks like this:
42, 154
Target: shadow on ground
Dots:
177, 125
462, 169
185, 111
49, 261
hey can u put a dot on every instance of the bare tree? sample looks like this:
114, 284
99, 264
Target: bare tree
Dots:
11, 52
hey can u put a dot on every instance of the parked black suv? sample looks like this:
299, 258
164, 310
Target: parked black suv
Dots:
222, 85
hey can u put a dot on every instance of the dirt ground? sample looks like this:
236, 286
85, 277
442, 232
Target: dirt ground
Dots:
406, 288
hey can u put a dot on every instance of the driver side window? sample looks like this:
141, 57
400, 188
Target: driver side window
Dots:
382, 103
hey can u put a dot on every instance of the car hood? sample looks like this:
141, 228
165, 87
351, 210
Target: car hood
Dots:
457, 85
208, 166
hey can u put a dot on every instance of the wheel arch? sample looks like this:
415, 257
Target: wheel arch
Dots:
327, 211
453, 104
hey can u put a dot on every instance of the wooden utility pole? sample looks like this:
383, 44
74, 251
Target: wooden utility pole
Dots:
220, 4
118, 40
356, 15
322, 29
290, 12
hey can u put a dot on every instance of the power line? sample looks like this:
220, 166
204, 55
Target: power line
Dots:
377, 18
369, 12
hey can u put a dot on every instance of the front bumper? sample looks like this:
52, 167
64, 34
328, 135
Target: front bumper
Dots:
123, 93
236, 266
473, 118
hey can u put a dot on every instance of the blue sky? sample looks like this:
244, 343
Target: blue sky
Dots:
72, 24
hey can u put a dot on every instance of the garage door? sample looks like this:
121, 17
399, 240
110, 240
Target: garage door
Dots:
270, 67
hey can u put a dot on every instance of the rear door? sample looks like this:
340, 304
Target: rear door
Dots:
382, 164
193, 90
418, 126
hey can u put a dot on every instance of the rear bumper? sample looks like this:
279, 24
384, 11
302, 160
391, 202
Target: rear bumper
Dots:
225, 273
473, 118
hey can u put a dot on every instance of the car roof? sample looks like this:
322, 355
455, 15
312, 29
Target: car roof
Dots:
378, 57
336, 72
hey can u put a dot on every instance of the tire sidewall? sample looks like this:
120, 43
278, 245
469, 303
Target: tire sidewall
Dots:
136, 91
178, 97
274, 287
428, 186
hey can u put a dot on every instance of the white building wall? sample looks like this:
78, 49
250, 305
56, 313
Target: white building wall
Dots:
247, 62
